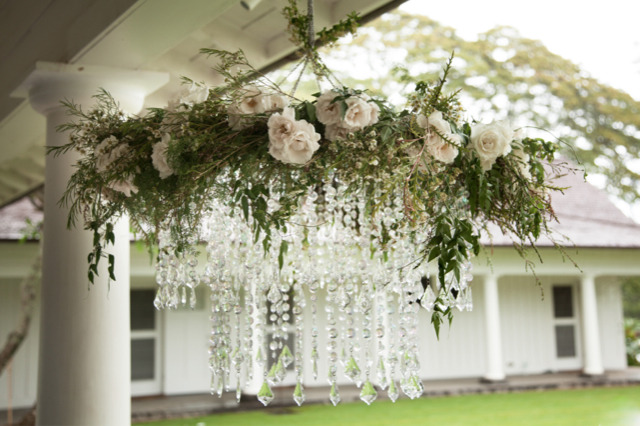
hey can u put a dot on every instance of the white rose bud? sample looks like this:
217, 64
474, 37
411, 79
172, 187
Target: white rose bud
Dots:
491, 141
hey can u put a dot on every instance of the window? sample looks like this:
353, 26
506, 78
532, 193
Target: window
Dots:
563, 301
143, 335
565, 322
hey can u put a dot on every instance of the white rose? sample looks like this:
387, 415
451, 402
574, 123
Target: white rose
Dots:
358, 114
302, 143
125, 186
108, 152
281, 127
491, 141
335, 132
159, 157
291, 141
327, 111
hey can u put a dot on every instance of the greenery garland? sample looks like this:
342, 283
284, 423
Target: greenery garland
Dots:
250, 144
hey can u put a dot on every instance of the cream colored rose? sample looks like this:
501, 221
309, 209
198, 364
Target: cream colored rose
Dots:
445, 150
327, 111
291, 141
159, 157
335, 132
108, 152
358, 114
491, 141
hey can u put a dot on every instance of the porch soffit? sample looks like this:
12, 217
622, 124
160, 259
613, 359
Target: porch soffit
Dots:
154, 35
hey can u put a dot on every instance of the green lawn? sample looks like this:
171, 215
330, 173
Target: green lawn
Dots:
600, 406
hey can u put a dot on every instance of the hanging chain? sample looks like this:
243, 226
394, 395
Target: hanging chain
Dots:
312, 31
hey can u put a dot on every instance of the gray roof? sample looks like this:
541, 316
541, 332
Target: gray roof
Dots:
586, 218
585, 215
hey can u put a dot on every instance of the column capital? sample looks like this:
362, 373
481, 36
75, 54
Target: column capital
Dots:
50, 83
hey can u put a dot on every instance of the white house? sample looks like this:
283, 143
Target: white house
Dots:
77, 357
571, 322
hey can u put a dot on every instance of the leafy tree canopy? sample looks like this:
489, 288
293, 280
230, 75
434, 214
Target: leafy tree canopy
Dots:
504, 76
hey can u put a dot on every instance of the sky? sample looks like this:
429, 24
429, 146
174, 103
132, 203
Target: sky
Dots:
602, 37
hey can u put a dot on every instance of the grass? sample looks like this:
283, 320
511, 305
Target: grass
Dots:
595, 406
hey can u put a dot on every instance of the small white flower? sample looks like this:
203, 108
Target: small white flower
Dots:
491, 141
159, 157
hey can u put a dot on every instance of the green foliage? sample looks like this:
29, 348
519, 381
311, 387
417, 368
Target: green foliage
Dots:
631, 297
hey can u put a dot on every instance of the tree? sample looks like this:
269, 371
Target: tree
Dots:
505, 76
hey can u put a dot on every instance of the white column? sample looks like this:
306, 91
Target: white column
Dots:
495, 369
85, 351
590, 330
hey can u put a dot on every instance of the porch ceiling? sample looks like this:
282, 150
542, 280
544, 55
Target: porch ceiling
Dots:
156, 35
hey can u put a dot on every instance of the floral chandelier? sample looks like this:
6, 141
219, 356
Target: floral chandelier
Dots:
327, 224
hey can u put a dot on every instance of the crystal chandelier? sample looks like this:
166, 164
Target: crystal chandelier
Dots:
337, 296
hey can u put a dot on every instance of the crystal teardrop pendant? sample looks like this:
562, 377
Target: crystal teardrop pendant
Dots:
265, 395
298, 394
334, 395
368, 393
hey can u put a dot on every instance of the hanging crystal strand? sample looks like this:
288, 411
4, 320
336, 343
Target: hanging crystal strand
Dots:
332, 334
265, 395
368, 393
298, 393
392, 326
248, 332
380, 307
238, 355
